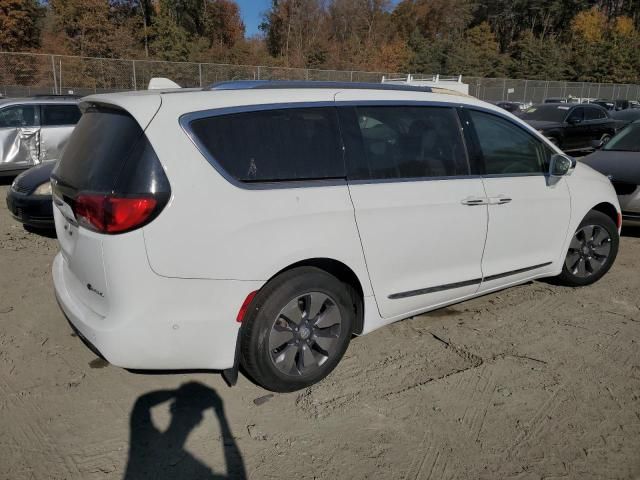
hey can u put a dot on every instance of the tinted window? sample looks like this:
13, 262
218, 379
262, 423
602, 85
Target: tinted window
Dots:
274, 145
18, 116
99, 148
53, 115
506, 148
407, 142
576, 115
546, 113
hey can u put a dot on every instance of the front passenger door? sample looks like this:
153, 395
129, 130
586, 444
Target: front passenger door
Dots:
19, 137
528, 211
576, 131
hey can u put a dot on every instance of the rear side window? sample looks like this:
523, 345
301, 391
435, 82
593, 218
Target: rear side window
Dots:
594, 114
274, 145
56, 115
506, 148
18, 116
405, 142
108, 152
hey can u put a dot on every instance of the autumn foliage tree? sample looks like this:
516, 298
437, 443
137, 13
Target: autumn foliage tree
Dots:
593, 40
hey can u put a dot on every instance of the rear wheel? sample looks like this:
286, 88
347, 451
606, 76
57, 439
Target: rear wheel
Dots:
605, 139
592, 250
297, 330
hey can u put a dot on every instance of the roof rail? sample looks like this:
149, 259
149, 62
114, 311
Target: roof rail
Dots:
280, 84
56, 95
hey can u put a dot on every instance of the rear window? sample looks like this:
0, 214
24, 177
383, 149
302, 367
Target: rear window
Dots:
274, 145
105, 153
55, 115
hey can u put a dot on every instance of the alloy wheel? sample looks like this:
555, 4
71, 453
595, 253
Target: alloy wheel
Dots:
589, 250
305, 334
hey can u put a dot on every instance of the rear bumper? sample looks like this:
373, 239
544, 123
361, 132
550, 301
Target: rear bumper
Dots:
169, 324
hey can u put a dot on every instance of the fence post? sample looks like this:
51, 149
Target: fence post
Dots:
258, 72
133, 69
53, 69
524, 96
200, 73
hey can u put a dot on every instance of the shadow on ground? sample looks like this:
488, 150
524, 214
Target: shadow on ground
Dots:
161, 454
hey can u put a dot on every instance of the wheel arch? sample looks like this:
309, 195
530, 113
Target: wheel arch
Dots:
609, 210
343, 273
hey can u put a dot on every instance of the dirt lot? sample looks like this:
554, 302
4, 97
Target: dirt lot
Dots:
530, 383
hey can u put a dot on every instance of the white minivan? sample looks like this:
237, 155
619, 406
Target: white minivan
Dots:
264, 224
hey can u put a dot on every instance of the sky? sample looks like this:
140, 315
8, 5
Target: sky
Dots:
251, 11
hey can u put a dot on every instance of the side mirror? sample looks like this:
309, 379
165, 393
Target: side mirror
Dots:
574, 120
560, 165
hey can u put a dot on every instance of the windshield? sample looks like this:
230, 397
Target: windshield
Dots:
546, 113
628, 140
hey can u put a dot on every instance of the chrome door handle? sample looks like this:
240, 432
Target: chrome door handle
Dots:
499, 200
471, 201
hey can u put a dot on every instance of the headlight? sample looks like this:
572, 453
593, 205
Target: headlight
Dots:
44, 189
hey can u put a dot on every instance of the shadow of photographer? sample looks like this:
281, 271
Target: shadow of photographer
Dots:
160, 454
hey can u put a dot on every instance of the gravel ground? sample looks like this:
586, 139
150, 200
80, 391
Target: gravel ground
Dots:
533, 382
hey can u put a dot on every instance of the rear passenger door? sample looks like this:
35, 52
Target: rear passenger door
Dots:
576, 131
421, 215
598, 123
57, 123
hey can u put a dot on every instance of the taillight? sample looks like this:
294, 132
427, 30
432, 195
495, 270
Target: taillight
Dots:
113, 214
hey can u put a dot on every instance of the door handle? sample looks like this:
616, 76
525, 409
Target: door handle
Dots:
471, 201
499, 200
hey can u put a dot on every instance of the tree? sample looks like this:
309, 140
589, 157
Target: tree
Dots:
538, 58
86, 26
478, 54
20, 26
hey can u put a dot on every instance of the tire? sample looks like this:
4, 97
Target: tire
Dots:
605, 139
592, 251
297, 329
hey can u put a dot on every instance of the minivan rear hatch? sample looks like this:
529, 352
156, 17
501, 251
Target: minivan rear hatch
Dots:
107, 183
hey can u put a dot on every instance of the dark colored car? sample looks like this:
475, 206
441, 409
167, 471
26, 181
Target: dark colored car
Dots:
571, 127
29, 199
620, 161
513, 107
625, 117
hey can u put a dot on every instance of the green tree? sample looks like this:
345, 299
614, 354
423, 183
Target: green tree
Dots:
477, 54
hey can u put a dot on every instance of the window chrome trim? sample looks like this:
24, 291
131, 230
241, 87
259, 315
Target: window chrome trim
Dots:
186, 119
185, 123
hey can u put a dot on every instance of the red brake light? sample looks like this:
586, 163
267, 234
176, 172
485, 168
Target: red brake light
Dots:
245, 306
111, 214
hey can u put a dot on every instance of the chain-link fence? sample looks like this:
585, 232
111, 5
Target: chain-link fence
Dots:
26, 74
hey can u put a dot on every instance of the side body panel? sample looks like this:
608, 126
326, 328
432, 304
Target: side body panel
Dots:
215, 229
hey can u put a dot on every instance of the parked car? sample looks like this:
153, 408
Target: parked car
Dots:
29, 199
34, 130
625, 117
265, 223
620, 161
606, 104
571, 127
513, 107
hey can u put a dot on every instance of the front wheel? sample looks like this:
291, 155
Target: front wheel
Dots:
592, 251
297, 329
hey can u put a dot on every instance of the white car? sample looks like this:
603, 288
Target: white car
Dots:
266, 223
